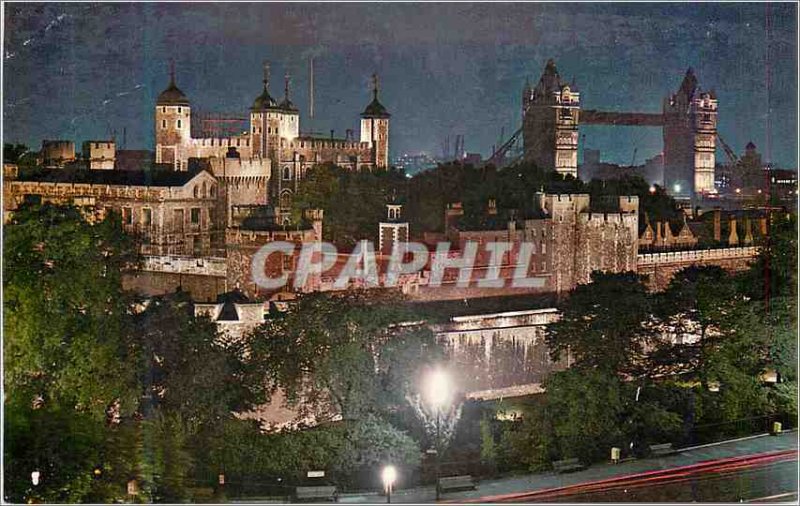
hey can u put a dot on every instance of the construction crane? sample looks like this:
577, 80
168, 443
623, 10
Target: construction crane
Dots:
499, 156
730, 153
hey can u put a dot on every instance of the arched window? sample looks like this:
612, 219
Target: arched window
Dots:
203, 193
213, 191
287, 173
195, 192
286, 199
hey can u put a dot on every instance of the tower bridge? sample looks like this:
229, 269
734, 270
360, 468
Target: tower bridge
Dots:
552, 115
593, 117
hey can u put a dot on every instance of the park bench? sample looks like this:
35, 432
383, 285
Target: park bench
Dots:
454, 483
316, 494
662, 449
567, 465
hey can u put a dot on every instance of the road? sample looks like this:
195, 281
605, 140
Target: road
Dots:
747, 469
769, 476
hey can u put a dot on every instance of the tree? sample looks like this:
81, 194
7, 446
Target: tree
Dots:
353, 201
63, 445
343, 353
370, 444
605, 325
65, 312
96, 392
776, 265
12, 153
183, 366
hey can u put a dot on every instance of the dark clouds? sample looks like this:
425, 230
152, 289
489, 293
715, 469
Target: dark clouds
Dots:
80, 71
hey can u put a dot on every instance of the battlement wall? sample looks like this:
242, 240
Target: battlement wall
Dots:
205, 266
691, 256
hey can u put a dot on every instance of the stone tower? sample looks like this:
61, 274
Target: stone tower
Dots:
264, 121
690, 131
173, 125
550, 115
375, 128
392, 231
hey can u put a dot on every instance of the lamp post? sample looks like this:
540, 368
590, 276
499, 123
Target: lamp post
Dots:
438, 393
389, 475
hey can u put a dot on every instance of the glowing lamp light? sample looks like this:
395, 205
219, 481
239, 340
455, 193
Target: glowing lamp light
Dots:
652, 189
35, 477
677, 188
389, 476
438, 388
738, 190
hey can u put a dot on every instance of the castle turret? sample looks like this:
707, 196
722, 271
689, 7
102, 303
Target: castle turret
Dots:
264, 120
392, 231
173, 125
375, 128
289, 123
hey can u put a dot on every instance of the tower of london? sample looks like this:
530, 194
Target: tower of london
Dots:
273, 146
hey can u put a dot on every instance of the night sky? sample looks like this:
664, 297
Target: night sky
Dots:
81, 71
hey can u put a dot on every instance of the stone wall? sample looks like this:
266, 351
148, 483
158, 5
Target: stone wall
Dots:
661, 267
495, 353
201, 287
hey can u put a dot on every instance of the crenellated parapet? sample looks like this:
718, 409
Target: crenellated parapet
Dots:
204, 266
693, 256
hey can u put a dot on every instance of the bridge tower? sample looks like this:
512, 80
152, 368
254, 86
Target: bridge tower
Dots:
690, 133
550, 123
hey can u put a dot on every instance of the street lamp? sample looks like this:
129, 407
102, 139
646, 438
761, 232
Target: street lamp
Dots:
389, 476
438, 393
35, 477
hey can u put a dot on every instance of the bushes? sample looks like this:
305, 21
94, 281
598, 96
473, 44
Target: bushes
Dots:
350, 453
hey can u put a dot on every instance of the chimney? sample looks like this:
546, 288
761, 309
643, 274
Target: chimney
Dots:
762, 224
659, 242
717, 225
669, 239
733, 237
748, 231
